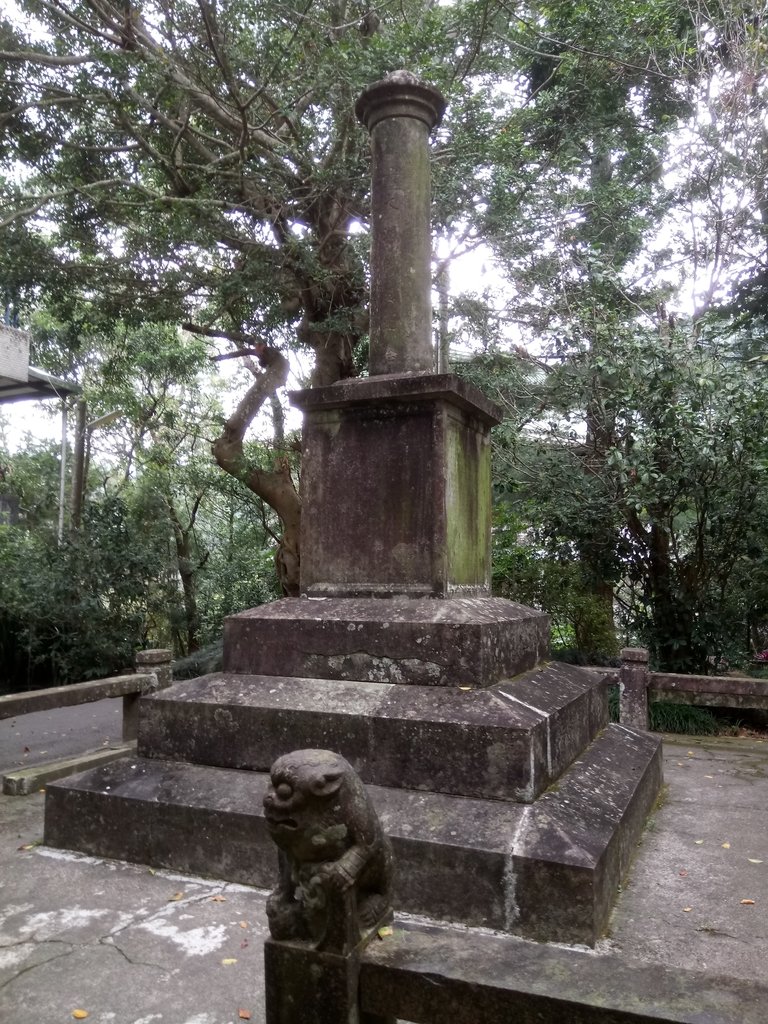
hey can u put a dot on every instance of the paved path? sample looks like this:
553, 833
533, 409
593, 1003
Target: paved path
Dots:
132, 946
62, 732
704, 853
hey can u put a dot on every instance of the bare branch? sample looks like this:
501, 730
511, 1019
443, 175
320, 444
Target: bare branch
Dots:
47, 59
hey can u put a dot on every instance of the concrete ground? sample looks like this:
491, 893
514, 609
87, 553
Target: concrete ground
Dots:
697, 895
128, 945
59, 733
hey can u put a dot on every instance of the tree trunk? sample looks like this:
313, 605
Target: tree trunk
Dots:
274, 486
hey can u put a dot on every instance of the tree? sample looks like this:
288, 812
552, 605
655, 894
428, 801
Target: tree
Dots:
680, 490
203, 164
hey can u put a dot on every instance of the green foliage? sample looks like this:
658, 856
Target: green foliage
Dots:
167, 546
661, 497
204, 164
682, 718
665, 716
79, 610
554, 583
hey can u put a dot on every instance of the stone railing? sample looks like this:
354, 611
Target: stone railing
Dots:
335, 956
638, 687
153, 672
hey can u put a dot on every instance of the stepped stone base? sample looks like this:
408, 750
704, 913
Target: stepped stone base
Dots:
507, 742
457, 641
547, 870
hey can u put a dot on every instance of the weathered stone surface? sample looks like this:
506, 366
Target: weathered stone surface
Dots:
709, 691
394, 388
504, 743
433, 975
573, 706
425, 738
77, 693
456, 642
400, 112
305, 986
633, 687
32, 778
416, 513
544, 870
579, 837
334, 885
208, 821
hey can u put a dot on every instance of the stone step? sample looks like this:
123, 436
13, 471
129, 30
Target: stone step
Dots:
507, 742
456, 641
547, 870
435, 974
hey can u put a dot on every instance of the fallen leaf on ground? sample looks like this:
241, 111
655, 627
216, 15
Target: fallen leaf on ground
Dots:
699, 842
687, 910
80, 1014
709, 776
244, 1014
176, 897
384, 932
229, 960
218, 899
726, 846
753, 860
747, 903
32, 845
243, 924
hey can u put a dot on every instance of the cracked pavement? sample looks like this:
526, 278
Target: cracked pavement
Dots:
124, 943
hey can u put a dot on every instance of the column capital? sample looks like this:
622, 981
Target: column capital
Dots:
400, 94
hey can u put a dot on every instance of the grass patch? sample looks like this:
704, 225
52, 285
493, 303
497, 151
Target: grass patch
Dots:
676, 718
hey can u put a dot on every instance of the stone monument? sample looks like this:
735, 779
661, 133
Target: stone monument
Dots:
508, 798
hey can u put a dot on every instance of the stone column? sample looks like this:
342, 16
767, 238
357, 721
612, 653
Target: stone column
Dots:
633, 687
400, 112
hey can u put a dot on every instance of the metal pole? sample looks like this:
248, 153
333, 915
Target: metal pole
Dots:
63, 473
78, 464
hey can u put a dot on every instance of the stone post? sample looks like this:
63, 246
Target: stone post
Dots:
158, 660
633, 687
400, 112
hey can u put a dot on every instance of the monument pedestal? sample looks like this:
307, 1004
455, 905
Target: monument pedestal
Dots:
514, 807
510, 801
459, 641
396, 487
